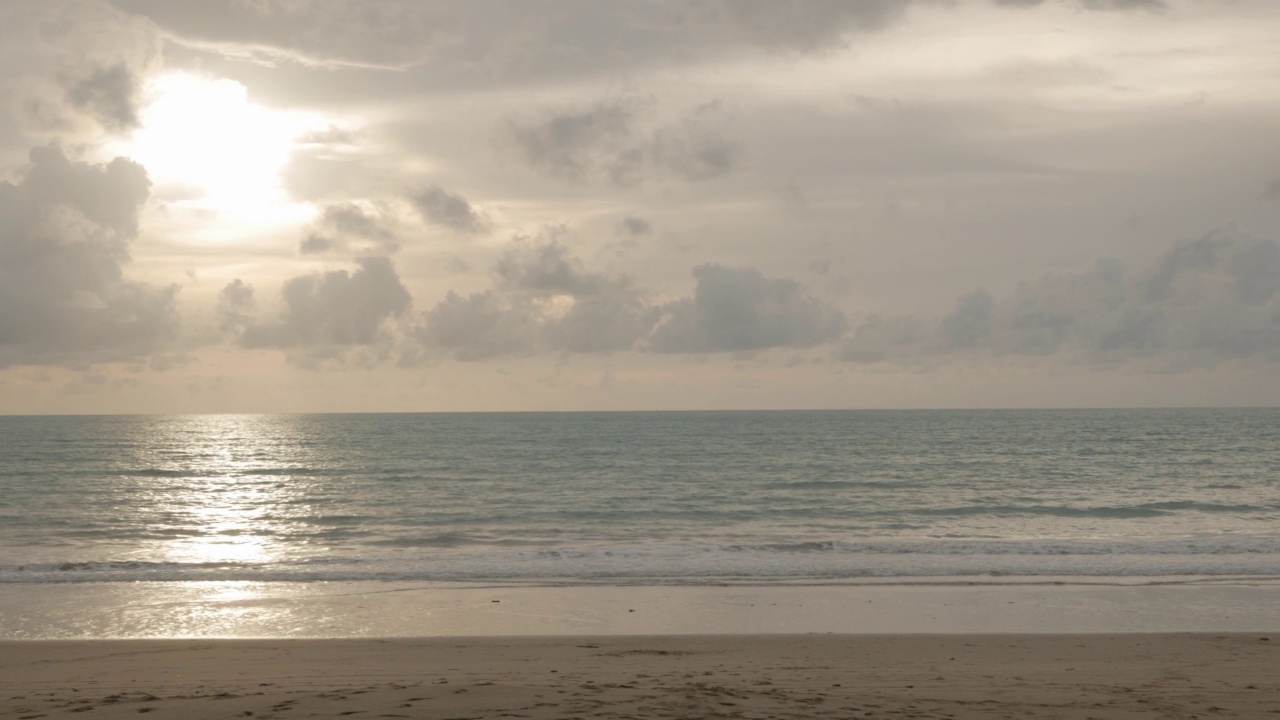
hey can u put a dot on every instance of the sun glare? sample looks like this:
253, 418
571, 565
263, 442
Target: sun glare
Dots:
212, 149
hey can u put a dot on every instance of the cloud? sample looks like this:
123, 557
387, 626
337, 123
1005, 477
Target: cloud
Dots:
72, 69
595, 143
970, 323
236, 306
347, 226
544, 266
1206, 300
110, 94
1272, 191
479, 326
741, 310
611, 319
315, 243
633, 226
440, 207
331, 163
483, 41
543, 300
334, 33
1093, 4
619, 143
334, 310
695, 148
65, 230
878, 339
806, 25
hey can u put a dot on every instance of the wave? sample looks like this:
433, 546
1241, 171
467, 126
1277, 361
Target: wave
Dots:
442, 558
195, 473
1142, 510
440, 540
836, 484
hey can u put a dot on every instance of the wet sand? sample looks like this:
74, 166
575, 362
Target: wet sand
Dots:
732, 676
58, 611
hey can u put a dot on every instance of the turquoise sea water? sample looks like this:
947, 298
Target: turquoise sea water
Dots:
641, 498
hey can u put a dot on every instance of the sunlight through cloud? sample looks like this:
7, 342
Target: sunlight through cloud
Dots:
206, 143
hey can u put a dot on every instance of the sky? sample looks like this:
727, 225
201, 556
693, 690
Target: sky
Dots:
404, 205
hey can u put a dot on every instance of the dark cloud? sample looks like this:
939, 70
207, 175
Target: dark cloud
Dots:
544, 266
543, 299
70, 70
1123, 4
634, 226
1272, 191
1255, 270
479, 326
696, 148
352, 219
109, 94
65, 230
236, 306
878, 339
596, 143
1092, 4
315, 243
739, 309
1206, 300
440, 207
108, 195
346, 226
611, 319
805, 25
618, 143
970, 324
335, 309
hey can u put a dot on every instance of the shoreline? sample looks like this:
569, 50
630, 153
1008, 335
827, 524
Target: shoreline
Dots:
240, 609
1097, 676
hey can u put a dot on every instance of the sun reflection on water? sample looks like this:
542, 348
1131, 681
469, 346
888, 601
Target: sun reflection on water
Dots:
217, 493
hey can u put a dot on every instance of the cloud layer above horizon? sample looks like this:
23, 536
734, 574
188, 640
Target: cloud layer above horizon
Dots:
302, 205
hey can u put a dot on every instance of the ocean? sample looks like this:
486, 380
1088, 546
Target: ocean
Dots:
655, 498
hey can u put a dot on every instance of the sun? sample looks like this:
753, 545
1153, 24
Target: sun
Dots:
210, 148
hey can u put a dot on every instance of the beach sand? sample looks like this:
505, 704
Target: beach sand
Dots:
733, 676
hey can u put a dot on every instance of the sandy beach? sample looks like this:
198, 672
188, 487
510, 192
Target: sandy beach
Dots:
758, 676
366, 650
